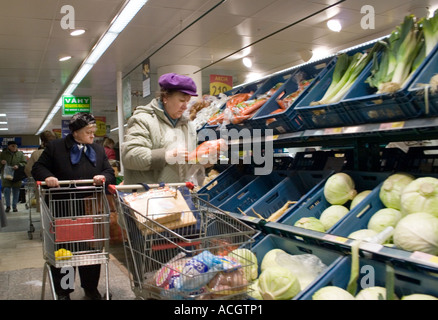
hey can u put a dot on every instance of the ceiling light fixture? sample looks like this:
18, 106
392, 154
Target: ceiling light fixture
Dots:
120, 21
247, 62
2, 114
4, 129
77, 32
65, 58
334, 25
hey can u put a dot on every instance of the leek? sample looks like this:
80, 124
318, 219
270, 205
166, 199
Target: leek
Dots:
347, 70
402, 53
430, 30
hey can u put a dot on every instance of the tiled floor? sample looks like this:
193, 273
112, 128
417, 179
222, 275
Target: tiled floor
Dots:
21, 262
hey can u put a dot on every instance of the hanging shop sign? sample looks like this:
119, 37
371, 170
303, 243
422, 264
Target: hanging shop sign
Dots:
73, 104
220, 84
146, 70
4, 141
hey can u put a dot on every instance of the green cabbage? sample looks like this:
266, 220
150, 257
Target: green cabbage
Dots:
278, 283
270, 259
310, 223
362, 234
372, 293
331, 215
384, 218
421, 195
332, 293
359, 197
249, 262
339, 188
419, 296
417, 232
254, 290
392, 187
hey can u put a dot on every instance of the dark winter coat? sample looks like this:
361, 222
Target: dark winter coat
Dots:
55, 162
12, 159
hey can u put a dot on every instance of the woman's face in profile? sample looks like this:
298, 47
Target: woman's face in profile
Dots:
85, 135
176, 103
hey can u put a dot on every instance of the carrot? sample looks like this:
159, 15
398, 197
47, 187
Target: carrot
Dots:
206, 148
237, 98
254, 106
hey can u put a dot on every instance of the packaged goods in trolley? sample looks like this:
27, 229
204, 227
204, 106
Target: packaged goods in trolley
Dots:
75, 225
179, 246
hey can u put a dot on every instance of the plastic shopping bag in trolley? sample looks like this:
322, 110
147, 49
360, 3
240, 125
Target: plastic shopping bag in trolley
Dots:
168, 207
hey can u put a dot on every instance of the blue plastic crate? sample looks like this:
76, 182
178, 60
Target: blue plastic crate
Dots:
223, 181
325, 115
252, 192
288, 120
231, 190
359, 217
417, 89
364, 105
315, 203
291, 188
406, 281
330, 258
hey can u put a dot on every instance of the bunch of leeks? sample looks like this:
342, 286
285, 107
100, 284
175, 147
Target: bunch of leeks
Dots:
345, 73
402, 53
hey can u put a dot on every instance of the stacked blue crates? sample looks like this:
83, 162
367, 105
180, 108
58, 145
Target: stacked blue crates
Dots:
315, 202
330, 258
373, 272
288, 120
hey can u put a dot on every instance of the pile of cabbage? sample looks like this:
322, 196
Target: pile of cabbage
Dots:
282, 275
370, 293
411, 210
339, 190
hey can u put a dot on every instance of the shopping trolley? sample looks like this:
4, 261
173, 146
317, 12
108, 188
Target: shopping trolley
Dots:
31, 202
178, 246
75, 226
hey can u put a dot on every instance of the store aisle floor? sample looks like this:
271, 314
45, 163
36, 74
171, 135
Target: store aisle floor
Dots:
21, 263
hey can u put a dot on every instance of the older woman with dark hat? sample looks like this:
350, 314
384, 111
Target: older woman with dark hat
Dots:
76, 157
159, 137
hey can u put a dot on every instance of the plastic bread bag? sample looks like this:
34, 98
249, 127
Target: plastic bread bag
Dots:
200, 269
8, 173
228, 283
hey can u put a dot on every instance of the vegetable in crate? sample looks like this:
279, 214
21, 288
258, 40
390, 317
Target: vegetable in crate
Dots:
417, 232
372, 293
391, 190
278, 283
421, 195
359, 197
339, 188
383, 218
347, 70
331, 215
332, 293
402, 53
310, 223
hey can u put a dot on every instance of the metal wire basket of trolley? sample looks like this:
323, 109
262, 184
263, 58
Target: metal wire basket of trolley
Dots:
75, 226
178, 246
31, 202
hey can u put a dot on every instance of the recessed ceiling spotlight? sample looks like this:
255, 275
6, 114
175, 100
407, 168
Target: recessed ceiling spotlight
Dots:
77, 32
65, 58
247, 62
334, 25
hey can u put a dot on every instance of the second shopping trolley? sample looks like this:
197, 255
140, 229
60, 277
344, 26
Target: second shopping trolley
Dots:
178, 246
75, 226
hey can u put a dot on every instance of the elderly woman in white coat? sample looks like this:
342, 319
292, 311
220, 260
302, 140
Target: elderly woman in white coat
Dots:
159, 137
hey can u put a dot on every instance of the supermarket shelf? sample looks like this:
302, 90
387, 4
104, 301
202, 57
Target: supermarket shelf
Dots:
414, 129
416, 260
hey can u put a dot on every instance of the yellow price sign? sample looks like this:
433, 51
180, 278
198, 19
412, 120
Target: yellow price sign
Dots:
220, 84
101, 126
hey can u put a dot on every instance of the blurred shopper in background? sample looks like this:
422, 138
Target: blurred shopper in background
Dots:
12, 163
